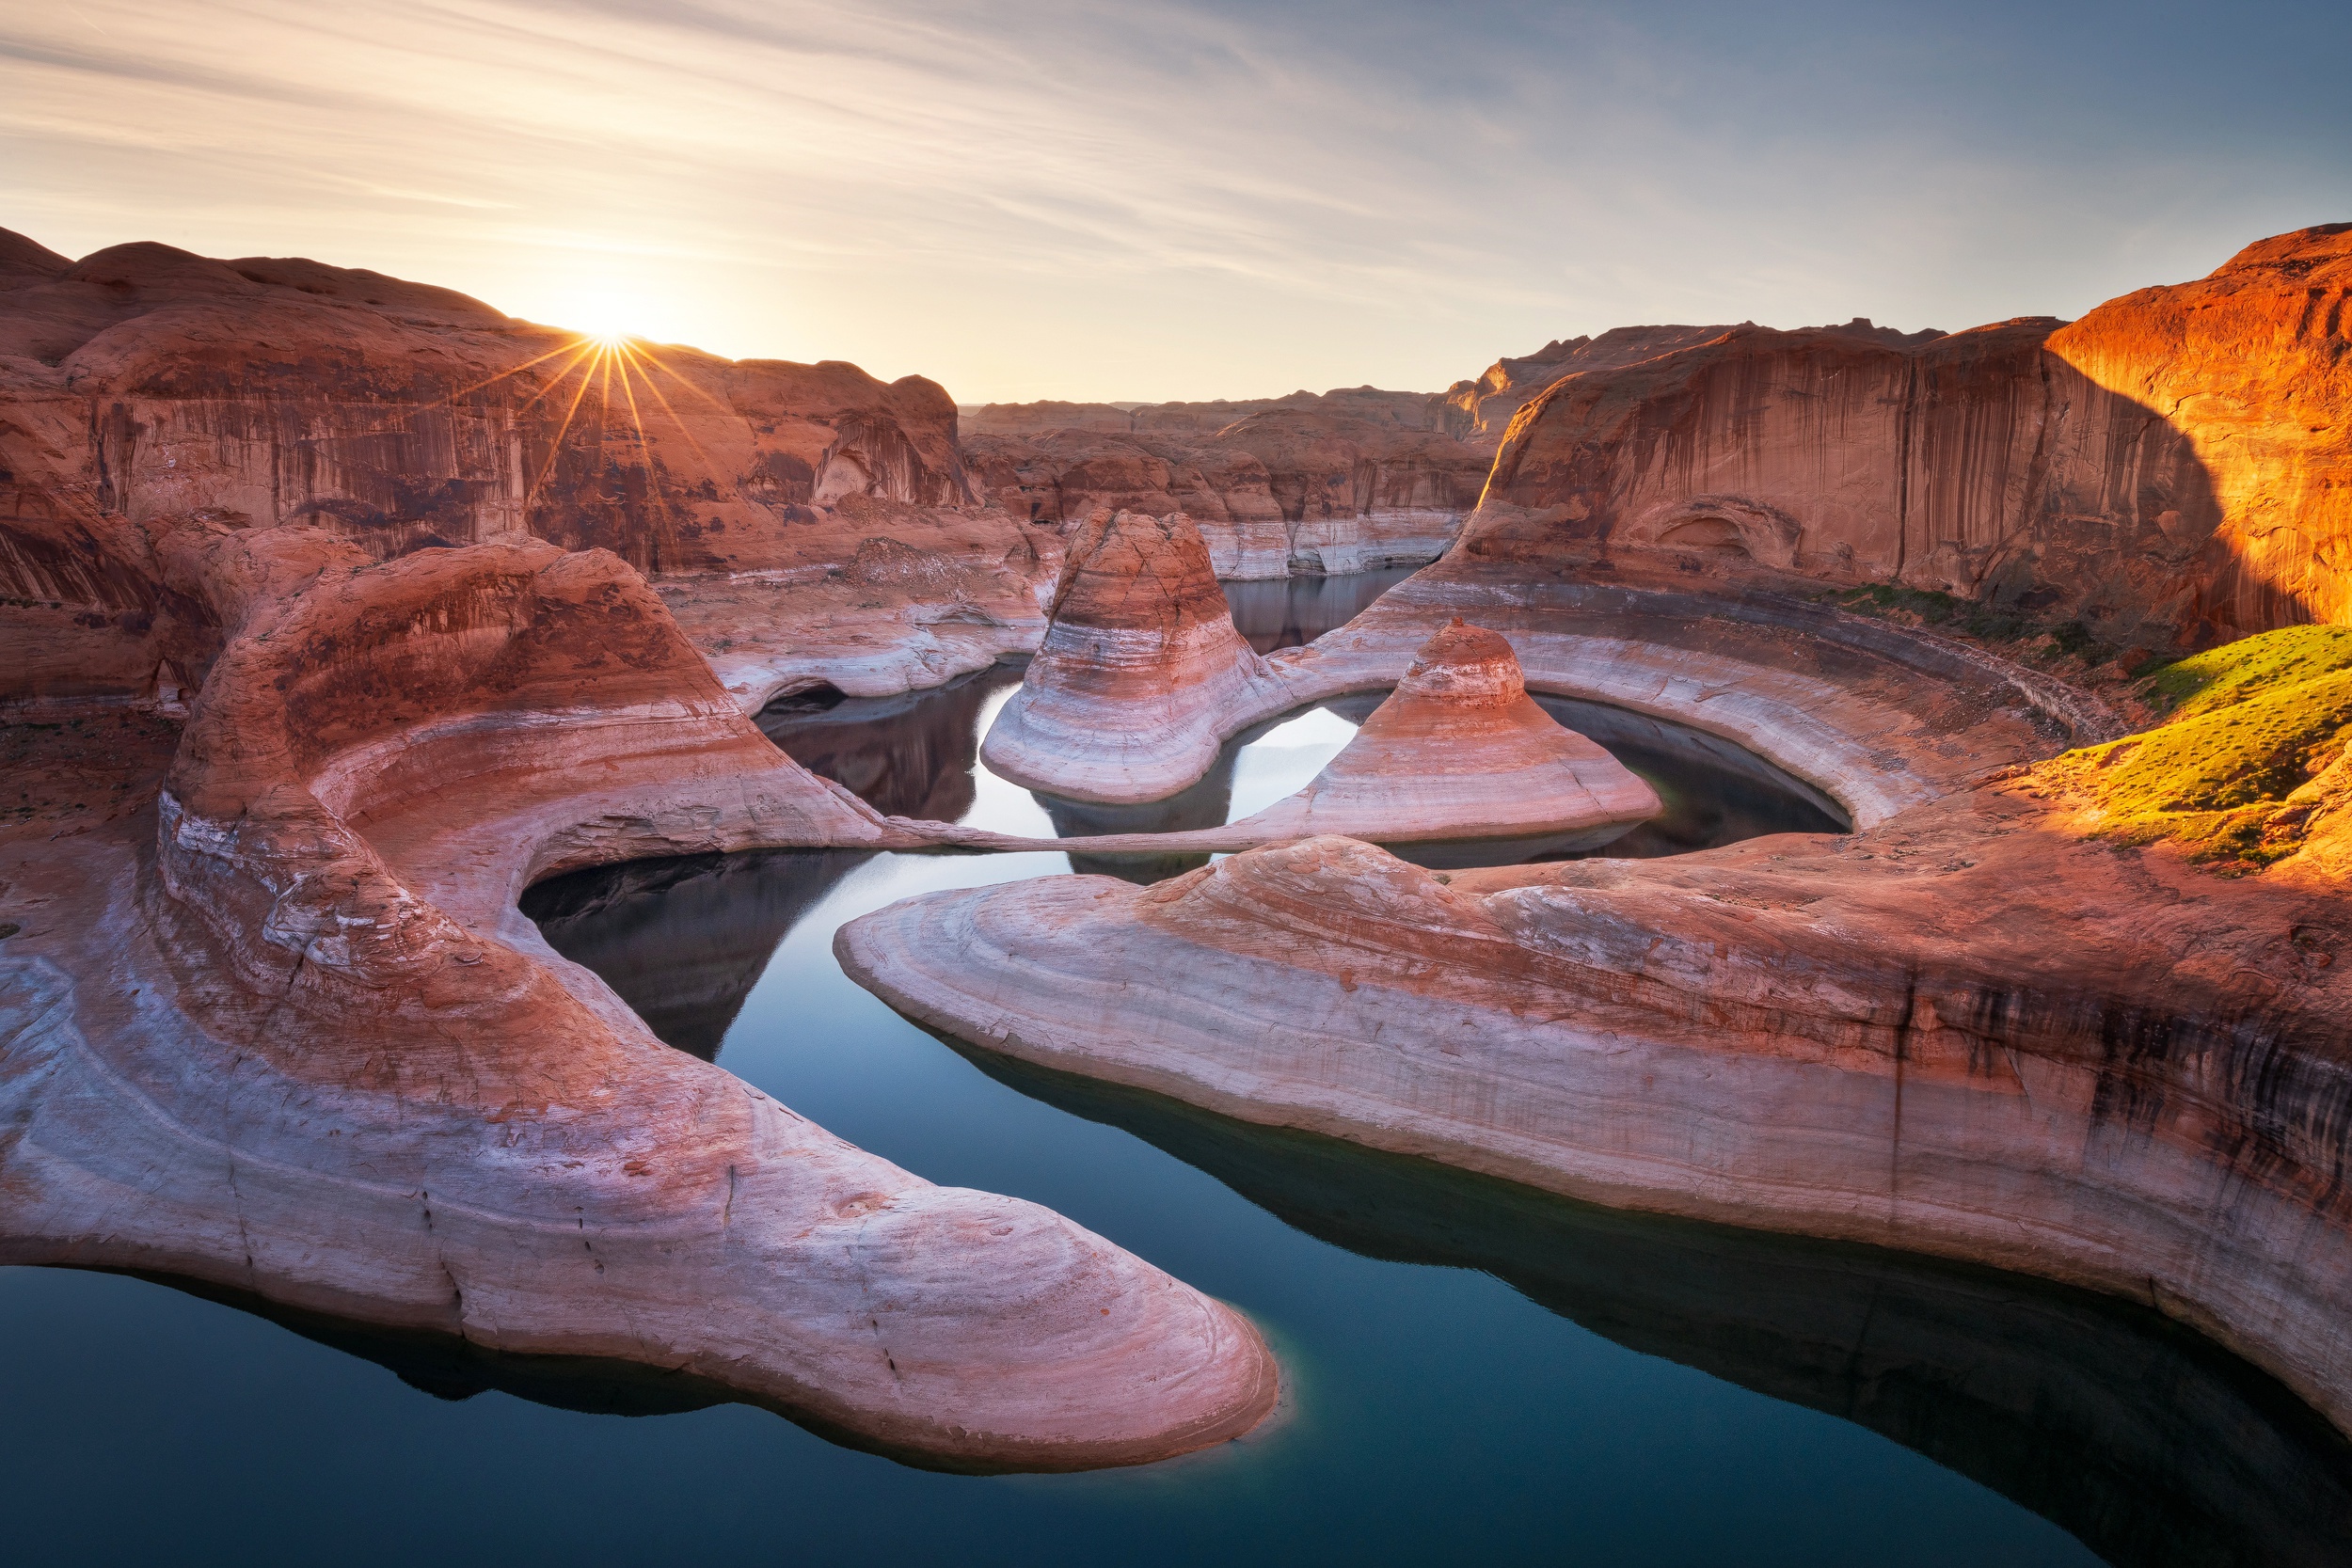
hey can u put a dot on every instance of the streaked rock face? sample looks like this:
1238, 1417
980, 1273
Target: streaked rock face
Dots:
1129, 698
2171, 470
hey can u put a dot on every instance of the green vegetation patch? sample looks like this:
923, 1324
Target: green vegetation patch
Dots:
2249, 723
1933, 608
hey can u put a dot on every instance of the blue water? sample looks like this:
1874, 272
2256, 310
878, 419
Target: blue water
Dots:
1476, 1372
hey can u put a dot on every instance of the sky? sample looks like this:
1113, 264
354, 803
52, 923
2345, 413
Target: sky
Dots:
1186, 198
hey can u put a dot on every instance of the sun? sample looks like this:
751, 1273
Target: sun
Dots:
607, 318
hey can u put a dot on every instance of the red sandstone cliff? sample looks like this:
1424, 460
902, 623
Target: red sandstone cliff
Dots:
1481, 410
2174, 469
145, 390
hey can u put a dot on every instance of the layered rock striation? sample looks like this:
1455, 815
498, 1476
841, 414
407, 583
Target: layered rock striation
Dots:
1967, 1034
284, 1032
1140, 672
2025, 1018
1460, 754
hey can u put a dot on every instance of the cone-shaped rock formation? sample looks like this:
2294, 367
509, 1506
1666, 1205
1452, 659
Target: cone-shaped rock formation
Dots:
1141, 666
1460, 752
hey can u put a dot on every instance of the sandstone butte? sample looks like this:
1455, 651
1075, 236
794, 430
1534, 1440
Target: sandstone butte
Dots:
1460, 756
1458, 762
1141, 675
335, 620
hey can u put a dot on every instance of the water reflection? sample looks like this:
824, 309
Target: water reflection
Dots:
684, 940
1291, 612
2147, 1443
917, 755
907, 755
1715, 791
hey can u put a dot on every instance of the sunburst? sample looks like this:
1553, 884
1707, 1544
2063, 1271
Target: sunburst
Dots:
590, 364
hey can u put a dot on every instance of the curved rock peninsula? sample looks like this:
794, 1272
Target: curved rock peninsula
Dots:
1901, 1038
2149, 1444
285, 1033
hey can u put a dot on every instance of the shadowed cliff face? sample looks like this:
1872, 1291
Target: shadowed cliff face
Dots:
2173, 470
2144, 1441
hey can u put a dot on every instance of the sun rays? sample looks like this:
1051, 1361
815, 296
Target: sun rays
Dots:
614, 368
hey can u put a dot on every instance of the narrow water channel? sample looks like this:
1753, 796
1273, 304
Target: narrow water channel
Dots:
1479, 1373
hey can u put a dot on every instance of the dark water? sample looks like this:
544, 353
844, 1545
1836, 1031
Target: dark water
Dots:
1481, 1373
1289, 612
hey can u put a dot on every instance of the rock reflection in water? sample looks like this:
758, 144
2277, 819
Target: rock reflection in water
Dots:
1291, 612
683, 941
1716, 792
1205, 804
909, 755
2150, 1445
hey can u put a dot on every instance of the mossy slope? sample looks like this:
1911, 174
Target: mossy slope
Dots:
2250, 724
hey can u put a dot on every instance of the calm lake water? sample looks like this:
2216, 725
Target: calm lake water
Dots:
1479, 1373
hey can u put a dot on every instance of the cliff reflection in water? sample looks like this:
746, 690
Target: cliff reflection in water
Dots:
2147, 1443
684, 940
1291, 612
909, 755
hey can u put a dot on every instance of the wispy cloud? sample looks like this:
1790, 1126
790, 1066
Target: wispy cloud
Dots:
1161, 197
